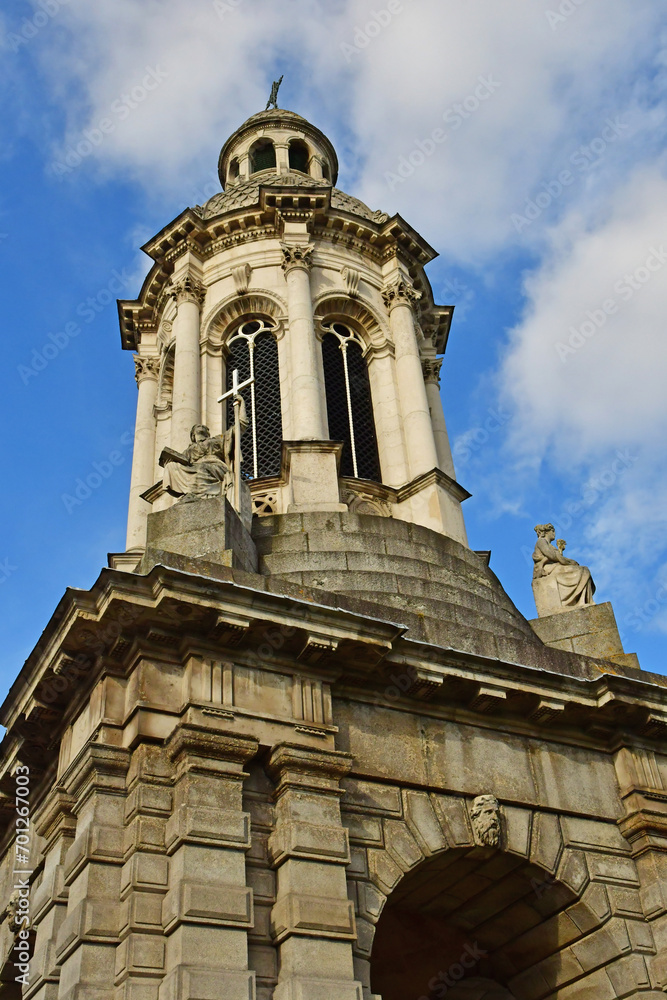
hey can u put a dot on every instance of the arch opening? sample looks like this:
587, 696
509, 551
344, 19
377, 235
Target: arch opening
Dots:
262, 156
299, 156
471, 924
349, 405
253, 351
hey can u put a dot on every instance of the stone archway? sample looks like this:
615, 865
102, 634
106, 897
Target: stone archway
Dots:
545, 914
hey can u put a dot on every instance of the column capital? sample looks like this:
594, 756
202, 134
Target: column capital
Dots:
188, 289
195, 745
146, 368
400, 293
300, 767
296, 255
431, 369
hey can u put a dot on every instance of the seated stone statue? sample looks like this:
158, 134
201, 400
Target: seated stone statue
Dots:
205, 469
559, 584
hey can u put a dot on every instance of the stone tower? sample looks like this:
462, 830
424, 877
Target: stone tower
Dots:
296, 742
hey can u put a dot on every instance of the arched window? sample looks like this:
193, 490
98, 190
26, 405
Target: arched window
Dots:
326, 173
234, 171
349, 406
262, 156
254, 352
299, 156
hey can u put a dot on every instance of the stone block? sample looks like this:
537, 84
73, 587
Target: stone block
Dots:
628, 975
614, 870
317, 989
547, 842
310, 841
370, 797
363, 829
141, 911
383, 870
192, 983
95, 843
603, 945
148, 872
455, 821
91, 920
423, 822
590, 631
312, 916
401, 845
139, 954
207, 529
195, 902
593, 835
517, 830
573, 871
206, 825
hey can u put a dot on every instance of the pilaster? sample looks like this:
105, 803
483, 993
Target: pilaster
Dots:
312, 920
87, 938
140, 956
49, 900
208, 909
431, 372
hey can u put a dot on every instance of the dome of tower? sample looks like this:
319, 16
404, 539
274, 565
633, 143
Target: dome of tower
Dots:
280, 139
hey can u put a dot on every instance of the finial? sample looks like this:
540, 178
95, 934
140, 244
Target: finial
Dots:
273, 99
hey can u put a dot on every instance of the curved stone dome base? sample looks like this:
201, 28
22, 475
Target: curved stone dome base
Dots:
442, 590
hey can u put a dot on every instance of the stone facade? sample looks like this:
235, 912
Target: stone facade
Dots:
321, 755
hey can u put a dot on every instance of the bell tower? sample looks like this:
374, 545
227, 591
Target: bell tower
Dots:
296, 742
324, 305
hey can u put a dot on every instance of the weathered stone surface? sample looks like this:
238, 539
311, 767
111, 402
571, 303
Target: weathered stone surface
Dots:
205, 529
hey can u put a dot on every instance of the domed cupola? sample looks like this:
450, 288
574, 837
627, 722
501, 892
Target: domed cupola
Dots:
277, 142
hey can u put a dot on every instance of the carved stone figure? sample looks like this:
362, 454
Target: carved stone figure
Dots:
206, 468
273, 99
559, 583
485, 816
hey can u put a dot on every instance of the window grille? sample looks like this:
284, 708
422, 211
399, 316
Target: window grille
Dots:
349, 406
299, 156
263, 156
254, 352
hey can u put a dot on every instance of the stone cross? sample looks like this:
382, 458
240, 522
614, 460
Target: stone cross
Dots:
235, 393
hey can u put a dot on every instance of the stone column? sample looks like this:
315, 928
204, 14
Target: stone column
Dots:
214, 390
419, 438
207, 912
87, 939
307, 376
313, 919
49, 900
431, 371
186, 401
384, 394
282, 157
147, 371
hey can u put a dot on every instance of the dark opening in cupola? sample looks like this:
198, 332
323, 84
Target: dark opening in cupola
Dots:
262, 156
299, 156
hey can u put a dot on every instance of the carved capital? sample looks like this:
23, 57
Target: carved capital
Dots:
296, 255
241, 276
400, 293
188, 290
431, 369
146, 368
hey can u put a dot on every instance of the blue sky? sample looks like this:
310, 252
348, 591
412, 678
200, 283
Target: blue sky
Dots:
524, 141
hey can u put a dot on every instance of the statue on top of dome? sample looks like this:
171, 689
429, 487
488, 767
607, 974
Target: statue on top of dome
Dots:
273, 99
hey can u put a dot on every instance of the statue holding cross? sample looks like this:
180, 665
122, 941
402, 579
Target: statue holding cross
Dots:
273, 99
210, 466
